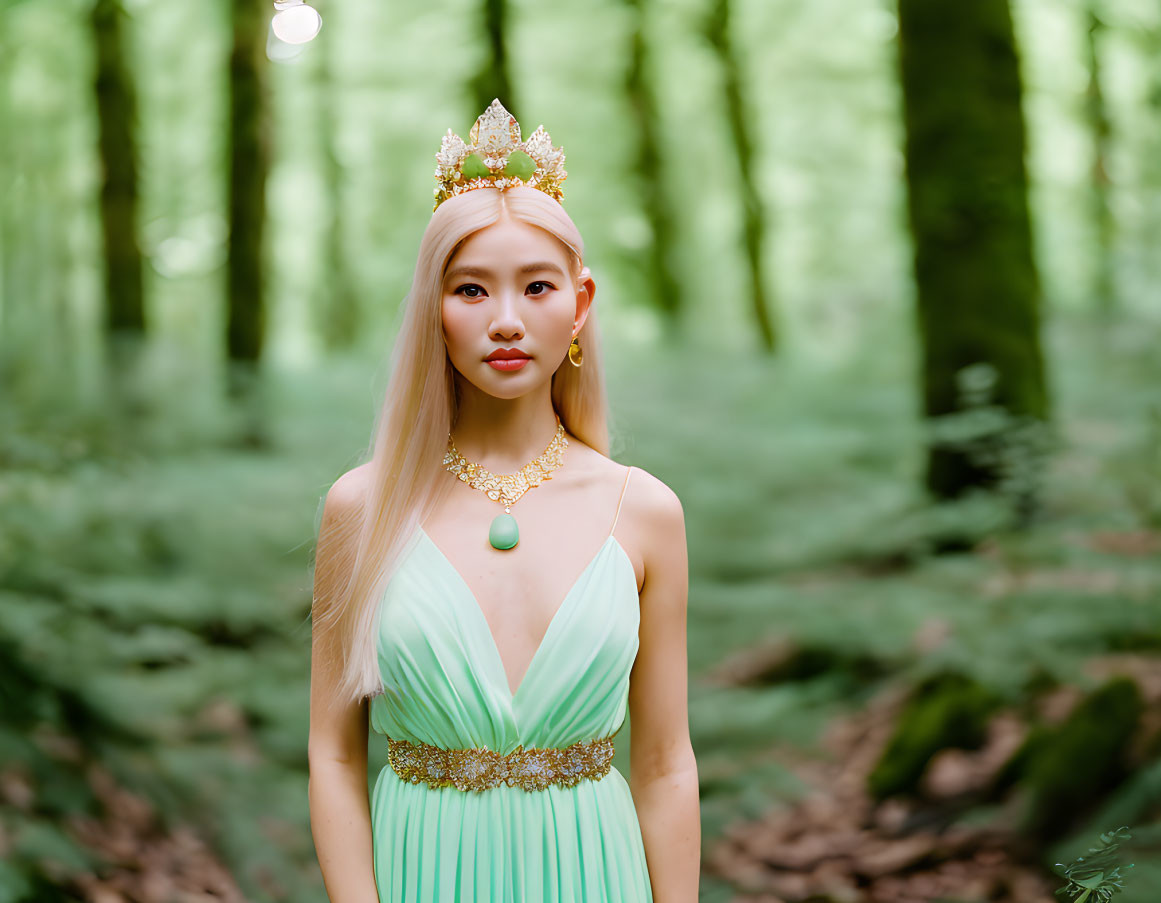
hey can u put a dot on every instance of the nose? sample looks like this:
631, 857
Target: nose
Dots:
506, 320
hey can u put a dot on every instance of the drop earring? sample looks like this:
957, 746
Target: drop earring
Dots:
575, 354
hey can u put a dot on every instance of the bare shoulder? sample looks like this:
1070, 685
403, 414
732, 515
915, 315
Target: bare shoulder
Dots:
655, 505
337, 529
349, 491
654, 526
647, 500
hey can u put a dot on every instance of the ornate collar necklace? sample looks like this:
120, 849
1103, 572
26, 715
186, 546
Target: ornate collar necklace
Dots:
507, 488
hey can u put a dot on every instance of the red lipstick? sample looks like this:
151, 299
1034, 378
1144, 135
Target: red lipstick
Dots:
507, 359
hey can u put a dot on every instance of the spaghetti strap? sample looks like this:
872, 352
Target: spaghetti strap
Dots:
625, 485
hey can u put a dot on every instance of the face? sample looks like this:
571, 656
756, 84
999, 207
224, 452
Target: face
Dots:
508, 288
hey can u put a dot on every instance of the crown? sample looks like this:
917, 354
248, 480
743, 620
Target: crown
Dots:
497, 158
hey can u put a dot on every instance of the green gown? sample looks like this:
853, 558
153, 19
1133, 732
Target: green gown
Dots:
445, 685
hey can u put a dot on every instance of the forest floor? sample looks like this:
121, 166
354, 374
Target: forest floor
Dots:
158, 606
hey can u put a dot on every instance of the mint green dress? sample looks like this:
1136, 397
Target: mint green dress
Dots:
445, 685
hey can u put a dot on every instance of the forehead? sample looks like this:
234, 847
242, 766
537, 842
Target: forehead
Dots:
509, 245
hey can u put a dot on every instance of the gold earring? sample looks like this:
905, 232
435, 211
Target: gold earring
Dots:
575, 354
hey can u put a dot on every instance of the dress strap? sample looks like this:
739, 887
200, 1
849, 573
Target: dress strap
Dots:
617, 516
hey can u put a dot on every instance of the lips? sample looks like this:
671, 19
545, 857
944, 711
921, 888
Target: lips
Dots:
507, 354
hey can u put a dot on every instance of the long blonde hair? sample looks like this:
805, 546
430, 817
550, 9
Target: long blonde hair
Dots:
419, 408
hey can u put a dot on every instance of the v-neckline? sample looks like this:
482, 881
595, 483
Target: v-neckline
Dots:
511, 694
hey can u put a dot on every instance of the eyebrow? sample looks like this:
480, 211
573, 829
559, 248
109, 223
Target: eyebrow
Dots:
538, 266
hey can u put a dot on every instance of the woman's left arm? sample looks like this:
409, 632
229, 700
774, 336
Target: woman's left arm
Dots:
662, 767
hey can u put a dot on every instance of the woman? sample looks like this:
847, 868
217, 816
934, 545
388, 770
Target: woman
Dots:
493, 593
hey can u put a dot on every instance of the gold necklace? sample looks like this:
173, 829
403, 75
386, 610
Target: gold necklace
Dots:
507, 488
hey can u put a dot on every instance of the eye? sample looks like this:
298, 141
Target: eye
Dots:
463, 289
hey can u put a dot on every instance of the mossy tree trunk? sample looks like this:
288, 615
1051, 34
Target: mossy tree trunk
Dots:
15, 263
493, 79
248, 167
338, 311
1151, 166
717, 30
977, 286
116, 100
1100, 128
661, 270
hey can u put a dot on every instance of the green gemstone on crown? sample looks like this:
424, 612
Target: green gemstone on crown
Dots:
474, 167
520, 165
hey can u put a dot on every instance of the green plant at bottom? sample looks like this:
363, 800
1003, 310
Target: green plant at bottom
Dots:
1096, 877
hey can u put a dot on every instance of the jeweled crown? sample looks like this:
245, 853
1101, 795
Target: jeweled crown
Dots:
495, 157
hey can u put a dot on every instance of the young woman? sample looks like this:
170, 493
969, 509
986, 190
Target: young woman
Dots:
493, 593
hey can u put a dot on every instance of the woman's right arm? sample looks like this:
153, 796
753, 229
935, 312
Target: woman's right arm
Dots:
340, 814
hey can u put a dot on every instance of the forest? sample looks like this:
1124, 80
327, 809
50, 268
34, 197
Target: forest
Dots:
880, 292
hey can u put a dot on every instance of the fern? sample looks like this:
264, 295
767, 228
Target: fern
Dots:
1096, 877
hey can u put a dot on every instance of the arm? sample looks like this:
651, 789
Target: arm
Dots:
340, 814
662, 766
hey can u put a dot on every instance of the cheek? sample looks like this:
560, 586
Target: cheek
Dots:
555, 314
455, 329
563, 321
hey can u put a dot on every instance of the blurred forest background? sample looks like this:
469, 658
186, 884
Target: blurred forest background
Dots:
881, 287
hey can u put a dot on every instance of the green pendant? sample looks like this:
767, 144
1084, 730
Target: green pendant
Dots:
504, 533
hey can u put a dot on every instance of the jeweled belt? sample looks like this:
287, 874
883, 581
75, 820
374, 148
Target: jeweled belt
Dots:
479, 768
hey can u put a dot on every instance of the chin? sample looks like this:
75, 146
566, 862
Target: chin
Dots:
504, 385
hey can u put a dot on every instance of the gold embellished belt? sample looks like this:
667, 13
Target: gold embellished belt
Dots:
479, 768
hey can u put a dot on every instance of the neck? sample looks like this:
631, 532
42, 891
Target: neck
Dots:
503, 434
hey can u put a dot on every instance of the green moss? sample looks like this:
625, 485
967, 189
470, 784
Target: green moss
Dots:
946, 710
1072, 768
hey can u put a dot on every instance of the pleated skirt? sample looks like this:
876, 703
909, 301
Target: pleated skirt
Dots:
578, 844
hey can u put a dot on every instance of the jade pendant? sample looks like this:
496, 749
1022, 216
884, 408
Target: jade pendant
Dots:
503, 534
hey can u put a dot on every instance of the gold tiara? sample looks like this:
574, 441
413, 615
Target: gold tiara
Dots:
497, 158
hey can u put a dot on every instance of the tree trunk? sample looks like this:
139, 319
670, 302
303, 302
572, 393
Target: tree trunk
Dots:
338, 312
492, 80
977, 286
249, 165
1151, 170
13, 263
661, 264
717, 31
1097, 115
117, 148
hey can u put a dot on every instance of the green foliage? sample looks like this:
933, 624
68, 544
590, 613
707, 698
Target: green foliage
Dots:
164, 582
1070, 767
1140, 466
818, 538
129, 623
1096, 877
153, 580
944, 710
1014, 448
